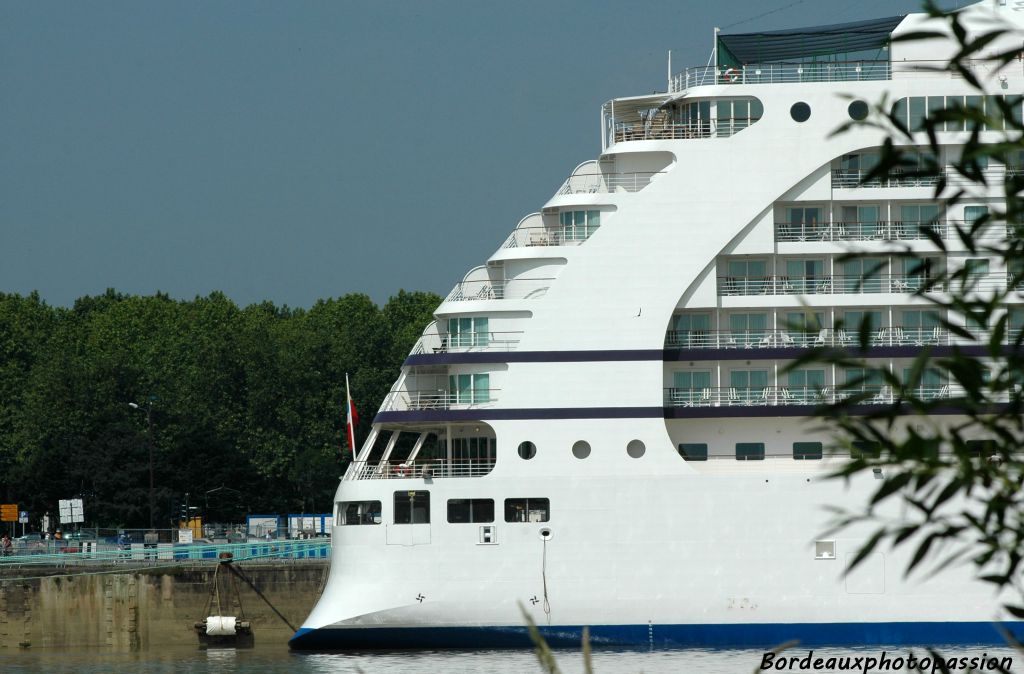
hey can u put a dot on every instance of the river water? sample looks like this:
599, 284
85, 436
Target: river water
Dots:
278, 659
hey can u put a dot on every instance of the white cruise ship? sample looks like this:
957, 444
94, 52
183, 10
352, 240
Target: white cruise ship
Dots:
599, 426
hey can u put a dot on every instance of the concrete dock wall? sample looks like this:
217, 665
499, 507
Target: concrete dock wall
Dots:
137, 608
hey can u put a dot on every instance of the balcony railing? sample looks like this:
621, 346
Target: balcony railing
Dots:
603, 183
466, 343
440, 399
712, 128
523, 288
777, 73
739, 396
526, 237
856, 178
841, 337
837, 284
421, 468
879, 230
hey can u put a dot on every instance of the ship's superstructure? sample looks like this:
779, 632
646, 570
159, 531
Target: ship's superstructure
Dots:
599, 426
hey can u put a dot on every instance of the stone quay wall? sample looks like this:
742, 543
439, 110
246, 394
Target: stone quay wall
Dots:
137, 608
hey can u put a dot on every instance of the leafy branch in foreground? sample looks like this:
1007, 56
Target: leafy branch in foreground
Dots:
945, 438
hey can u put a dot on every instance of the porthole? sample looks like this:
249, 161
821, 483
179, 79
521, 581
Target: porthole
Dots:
581, 449
636, 448
527, 450
858, 111
800, 112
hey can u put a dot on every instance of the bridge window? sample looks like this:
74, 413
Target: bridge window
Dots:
359, 512
462, 510
527, 510
412, 507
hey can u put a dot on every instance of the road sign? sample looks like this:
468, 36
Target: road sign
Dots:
71, 511
9, 512
23, 517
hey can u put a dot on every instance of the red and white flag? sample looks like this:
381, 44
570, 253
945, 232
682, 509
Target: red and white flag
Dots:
351, 419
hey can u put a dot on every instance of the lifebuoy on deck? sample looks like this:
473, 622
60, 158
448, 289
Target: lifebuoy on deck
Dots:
731, 75
402, 470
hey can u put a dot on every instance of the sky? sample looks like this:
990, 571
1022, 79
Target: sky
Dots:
292, 151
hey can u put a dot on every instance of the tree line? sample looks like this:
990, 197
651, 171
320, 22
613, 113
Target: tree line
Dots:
247, 404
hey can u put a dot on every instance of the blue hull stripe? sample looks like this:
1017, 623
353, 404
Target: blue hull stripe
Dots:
659, 636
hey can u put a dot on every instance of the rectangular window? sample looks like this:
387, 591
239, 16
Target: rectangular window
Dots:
691, 331
468, 331
955, 104
359, 512
747, 277
693, 451
804, 277
412, 507
862, 275
803, 223
974, 213
860, 222
865, 449
470, 510
748, 330
917, 113
691, 387
749, 451
804, 328
976, 267
915, 219
748, 387
983, 448
803, 451
466, 389
578, 225
860, 380
527, 510
805, 386
919, 326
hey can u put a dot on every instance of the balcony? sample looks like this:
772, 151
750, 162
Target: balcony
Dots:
605, 183
420, 468
784, 396
439, 399
858, 178
713, 128
467, 343
521, 288
858, 231
527, 237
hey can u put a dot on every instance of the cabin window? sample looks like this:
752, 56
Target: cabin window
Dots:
466, 389
579, 225
824, 549
359, 512
749, 451
527, 510
693, 451
807, 450
982, 448
858, 111
470, 510
636, 448
976, 268
581, 449
412, 507
527, 450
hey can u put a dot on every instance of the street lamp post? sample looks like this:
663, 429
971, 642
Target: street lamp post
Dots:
149, 441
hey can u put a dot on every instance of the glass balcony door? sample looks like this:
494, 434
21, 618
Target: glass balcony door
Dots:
748, 387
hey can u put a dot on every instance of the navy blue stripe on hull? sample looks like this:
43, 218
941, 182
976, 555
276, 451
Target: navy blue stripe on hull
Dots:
658, 636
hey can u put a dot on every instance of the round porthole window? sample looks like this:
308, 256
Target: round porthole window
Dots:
636, 448
581, 449
527, 450
800, 112
858, 111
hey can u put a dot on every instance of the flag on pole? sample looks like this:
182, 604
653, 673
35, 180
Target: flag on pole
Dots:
351, 419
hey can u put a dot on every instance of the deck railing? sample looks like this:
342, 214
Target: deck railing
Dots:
465, 343
779, 73
875, 230
486, 289
400, 401
603, 183
526, 237
739, 396
420, 468
841, 337
858, 178
656, 130
97, 553
838, 284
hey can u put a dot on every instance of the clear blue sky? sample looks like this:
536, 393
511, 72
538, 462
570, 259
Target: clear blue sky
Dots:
290, 151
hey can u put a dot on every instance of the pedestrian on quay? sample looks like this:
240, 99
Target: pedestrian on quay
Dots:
5, 545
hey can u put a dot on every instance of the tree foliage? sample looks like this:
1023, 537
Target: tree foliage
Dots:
245, 398
954, 463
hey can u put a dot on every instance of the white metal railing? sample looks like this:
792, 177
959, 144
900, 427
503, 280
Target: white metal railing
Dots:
779, 73
486, 289
473, 341
838, 284
526, 237
841, 337
739, 396
421, 468
857, 178
438, 399
656, 130
878, 230
603, 183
